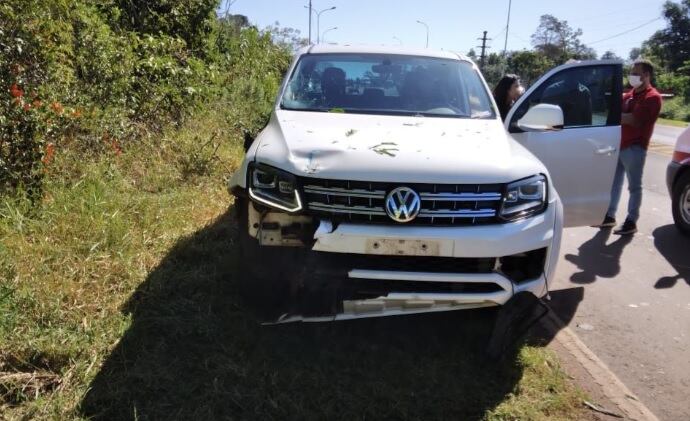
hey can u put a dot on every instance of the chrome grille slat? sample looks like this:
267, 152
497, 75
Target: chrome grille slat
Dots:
333, 191
463, 213
441, 204
360, 210
461, 197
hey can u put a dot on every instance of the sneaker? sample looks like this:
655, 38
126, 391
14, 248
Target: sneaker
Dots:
628, 228
608, 223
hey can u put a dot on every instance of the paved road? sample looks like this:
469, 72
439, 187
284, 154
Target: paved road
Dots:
666, 135
634, 311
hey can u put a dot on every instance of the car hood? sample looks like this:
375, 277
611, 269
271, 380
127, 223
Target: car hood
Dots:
393, 148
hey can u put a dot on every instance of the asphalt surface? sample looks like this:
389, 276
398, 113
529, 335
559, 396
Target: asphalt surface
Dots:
666, 135
628, 299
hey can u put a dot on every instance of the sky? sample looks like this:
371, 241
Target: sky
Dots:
456, 24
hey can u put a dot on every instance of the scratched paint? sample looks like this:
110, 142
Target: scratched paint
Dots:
386, 148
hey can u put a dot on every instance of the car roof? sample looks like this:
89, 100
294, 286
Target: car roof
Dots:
380, 49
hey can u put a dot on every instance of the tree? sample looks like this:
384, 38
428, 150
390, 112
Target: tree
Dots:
529, 65
635, 53
558, 41
228, 31
288, 38
610, 55
671, 45
582, 52
494, 68
236, 21
190, 20
472, 54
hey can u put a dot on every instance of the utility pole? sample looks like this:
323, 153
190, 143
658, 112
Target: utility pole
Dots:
482, 57
505, 45
310, 9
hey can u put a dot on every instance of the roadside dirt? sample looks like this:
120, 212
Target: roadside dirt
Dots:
578, 375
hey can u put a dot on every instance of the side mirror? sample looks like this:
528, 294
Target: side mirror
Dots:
542, 118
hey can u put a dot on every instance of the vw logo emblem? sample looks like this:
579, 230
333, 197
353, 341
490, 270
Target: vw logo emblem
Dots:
403, 204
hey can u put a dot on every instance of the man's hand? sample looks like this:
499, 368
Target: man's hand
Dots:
628, 119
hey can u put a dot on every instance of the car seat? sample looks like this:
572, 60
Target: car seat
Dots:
333, 86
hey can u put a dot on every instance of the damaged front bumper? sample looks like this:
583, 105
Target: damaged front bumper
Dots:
352, 271
400, 303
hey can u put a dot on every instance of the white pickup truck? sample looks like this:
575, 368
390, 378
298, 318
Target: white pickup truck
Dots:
385, 183
678, 181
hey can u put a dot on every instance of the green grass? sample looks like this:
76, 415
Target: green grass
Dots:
675, 123
118, 300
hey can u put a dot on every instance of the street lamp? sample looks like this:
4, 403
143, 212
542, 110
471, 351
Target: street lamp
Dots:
318, 20
318, 23
323, 36
427, 32
398, 39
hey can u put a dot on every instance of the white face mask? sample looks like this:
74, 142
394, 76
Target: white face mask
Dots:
635, 81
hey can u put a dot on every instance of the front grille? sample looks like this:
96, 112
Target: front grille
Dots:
441, 204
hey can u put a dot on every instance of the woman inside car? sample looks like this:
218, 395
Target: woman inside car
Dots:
507, 91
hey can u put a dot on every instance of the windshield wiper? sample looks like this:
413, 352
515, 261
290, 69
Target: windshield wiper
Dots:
320, 110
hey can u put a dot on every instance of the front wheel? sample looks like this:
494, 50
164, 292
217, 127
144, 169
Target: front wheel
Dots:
681, 203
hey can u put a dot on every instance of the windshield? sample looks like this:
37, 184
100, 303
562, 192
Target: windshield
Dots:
387, 84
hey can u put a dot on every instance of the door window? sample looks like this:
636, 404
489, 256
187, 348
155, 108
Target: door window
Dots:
589, 97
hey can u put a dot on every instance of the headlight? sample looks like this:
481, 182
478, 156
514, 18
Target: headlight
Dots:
273, 187
524, 198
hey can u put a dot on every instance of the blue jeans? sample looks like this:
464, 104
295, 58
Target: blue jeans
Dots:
630, 163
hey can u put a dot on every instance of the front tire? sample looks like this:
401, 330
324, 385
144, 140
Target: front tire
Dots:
681, 203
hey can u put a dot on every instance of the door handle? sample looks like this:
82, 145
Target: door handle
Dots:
605, 151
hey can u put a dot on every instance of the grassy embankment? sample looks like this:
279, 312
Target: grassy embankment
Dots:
674, 123
118, 301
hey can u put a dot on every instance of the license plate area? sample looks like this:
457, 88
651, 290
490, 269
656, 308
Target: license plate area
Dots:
401, 247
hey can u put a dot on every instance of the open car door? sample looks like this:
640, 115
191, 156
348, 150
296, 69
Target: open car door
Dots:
582, 154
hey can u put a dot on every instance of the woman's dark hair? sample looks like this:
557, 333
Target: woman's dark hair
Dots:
501, 93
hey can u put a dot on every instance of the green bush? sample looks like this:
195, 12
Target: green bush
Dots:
677, 108
188, 20
676, 83
254, 78
33, 50
96, 75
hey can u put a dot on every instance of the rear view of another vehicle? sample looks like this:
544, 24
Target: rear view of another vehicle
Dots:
678, 180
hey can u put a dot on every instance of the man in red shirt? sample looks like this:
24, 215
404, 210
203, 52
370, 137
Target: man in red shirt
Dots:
641, 107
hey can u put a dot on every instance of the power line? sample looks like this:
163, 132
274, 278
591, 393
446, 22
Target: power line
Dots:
626, 32
617, 25
519, 37
604, 16
501, 32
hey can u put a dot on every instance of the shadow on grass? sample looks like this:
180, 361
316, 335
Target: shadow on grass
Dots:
192, 352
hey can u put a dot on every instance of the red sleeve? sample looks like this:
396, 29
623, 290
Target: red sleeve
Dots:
647, 111
624, 101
